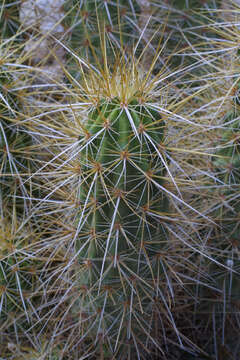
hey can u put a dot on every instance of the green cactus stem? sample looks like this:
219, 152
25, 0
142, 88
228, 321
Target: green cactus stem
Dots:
118, 239
85, 20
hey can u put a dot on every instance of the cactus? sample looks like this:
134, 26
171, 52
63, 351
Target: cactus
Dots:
9, 18
227, 164
18, 274
108, 187
84, 20
116, 245
121, 161
13, 142
18, 270
223, 242
122, 184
